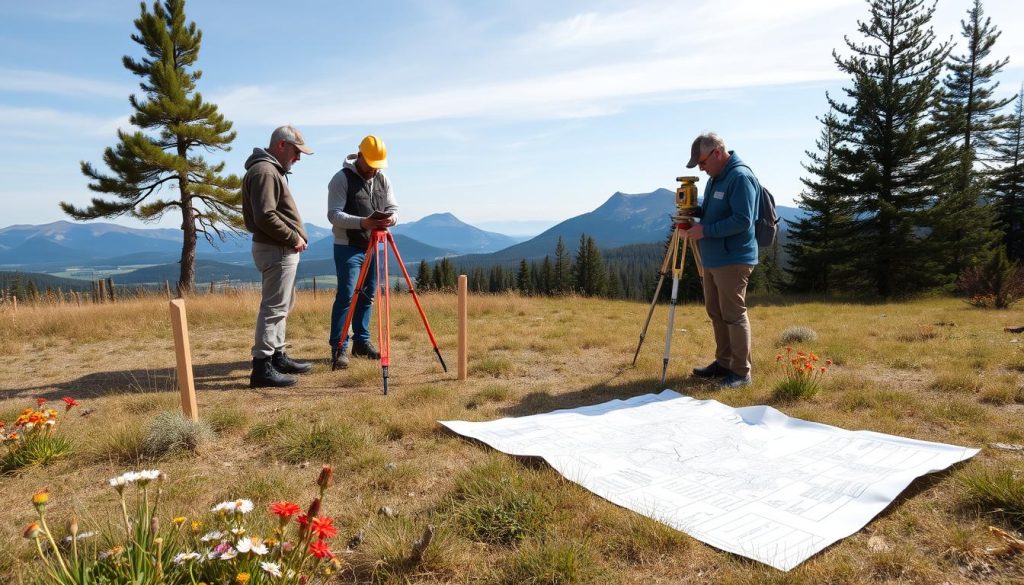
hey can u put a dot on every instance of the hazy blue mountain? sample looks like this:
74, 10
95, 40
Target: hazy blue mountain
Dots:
517, 229
621, 220
410, 249
444, 230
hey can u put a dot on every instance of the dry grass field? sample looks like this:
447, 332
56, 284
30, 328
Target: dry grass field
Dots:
933, 369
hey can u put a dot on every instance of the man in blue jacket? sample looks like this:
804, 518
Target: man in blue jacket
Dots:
729, 251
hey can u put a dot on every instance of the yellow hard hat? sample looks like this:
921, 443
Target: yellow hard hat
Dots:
374, 152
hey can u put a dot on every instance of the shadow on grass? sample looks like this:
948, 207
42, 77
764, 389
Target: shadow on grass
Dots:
539, 402
222, 376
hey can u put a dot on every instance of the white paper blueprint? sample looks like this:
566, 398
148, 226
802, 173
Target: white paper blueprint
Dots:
751, 481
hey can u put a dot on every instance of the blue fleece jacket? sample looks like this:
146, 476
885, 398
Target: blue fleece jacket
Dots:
729, 211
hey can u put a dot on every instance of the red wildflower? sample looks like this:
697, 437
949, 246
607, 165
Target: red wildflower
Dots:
285, 510
69, 403
320, 550
323, 526
303, 520
40, 401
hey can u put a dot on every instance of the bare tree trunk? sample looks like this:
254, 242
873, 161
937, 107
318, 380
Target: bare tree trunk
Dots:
187, 277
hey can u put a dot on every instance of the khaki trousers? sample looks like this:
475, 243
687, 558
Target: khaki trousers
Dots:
725, 292
279, 265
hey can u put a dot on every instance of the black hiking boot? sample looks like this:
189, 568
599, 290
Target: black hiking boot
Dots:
286, 365
265, 376
714, 370
365, 349
339, 359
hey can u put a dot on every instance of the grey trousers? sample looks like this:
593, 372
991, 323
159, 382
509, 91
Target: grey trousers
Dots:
725, 298
278, 265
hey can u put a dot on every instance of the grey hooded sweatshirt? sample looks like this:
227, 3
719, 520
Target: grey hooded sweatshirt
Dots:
268, 207
381, 199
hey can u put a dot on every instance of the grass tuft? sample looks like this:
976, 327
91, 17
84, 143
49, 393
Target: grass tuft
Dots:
40, 450
494, 367
996, 491
550, 564
491, 504
171, 432
318, 442
793, 335
385, 556
792, 389
226, 419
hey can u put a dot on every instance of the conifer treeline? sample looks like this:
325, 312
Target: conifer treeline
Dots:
918, 172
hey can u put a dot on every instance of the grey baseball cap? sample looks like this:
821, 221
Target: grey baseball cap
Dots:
290, 134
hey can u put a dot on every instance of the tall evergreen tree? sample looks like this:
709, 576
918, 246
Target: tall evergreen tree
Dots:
591, 275
423, 277
182, 123
547, 277
895, 154
1008, 183
563, 269
818, 243
970, 117
523, 278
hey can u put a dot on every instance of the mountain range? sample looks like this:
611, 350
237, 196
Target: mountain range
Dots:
621, 220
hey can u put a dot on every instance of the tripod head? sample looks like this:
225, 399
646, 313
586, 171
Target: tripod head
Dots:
686, 199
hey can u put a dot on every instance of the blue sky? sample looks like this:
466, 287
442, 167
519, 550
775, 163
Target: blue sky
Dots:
494, 111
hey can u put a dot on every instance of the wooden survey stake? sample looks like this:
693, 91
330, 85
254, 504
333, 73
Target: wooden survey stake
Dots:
186, 384
463, 326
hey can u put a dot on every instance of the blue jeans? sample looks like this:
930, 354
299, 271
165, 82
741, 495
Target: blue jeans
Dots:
348, 261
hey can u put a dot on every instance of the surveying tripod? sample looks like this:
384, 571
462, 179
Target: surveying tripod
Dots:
675, 258
378, 247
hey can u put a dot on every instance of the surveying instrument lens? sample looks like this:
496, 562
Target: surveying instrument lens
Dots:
687, 212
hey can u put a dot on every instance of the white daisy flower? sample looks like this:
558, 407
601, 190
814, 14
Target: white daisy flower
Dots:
81, 535
147, 475
228, 554
253, 545
238, 531
182, 558
243, 506
272, 569
223, 507
209, 536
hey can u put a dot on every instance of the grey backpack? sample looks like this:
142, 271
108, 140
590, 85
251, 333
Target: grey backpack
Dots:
766, 227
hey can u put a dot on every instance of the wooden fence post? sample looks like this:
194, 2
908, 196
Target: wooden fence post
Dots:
15, 305
314, 288
110, 289
463, 326
101, 291
183, 354
78, 299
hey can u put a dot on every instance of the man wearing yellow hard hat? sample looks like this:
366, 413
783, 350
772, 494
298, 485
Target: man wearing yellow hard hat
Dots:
357, 192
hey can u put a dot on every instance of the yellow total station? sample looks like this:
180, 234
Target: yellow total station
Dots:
686, 198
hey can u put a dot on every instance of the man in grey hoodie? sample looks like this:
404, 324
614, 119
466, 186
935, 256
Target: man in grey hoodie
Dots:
278, 237
355, 193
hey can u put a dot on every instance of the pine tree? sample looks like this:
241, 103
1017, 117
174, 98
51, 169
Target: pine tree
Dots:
818, 243
1008, 183
423, 277
591, 275
523, 278
894, 154
448, 278
971, 119
563, 269
143, 165
547, 277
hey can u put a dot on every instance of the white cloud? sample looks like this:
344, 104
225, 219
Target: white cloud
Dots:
42, 124
42, 82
